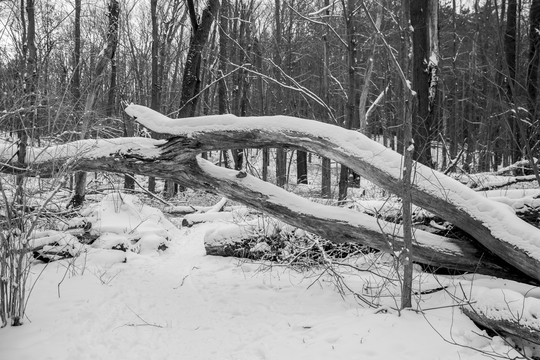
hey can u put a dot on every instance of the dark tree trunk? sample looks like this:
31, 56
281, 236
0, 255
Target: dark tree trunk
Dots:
223, 57
155, 96
326, 186
510, 56
326, 165
129, 131
281, 154
112, 89
351, 113
76, 78
419, 10
534, 60
301, 167
105, 57
191, 81
262, 111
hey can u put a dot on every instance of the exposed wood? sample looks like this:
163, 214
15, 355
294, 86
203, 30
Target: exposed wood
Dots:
503, 326
337, 224
154, 157
431, 190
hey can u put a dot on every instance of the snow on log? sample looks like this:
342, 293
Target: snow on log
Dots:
506, 312
334, 223
492, 224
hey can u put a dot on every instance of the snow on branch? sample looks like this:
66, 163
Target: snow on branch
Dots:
493, 224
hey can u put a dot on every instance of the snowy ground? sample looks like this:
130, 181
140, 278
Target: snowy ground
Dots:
181, 304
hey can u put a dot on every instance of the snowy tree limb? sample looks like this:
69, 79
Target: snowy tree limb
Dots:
494, 225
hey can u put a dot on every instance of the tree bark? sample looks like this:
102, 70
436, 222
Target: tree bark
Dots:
301, 167
76, 78
281, 153
510, 55
351, 115
534, 61
106, 55
493, 225
503, 327
191, 82
155, 92
419, 12
176, 160
326, 165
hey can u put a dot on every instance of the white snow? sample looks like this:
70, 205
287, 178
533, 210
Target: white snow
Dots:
87, 148
181, 304
498, 218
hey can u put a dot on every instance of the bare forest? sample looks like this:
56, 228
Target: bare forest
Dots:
367, 141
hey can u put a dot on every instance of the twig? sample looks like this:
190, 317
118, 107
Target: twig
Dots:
145, 323
148, 192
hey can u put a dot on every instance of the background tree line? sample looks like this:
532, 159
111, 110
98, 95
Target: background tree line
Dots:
67, 67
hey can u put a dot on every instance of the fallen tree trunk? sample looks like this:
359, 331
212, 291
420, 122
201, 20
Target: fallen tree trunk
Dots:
506, 311
142, 156
504, 326
493, 225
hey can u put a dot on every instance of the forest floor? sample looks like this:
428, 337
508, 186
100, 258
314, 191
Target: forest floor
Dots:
179, 303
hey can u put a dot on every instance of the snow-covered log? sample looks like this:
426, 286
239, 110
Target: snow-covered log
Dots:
141, 156
494, 225
505, 311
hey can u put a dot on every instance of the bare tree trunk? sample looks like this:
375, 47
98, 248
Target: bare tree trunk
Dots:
76, 78
262, 111
510, 52
281, 154
223, 56
223, 100
112, 89
301, 167
409, 110
419, 12
326, 166
31, 77
106, 55
351, 114
191, 81
155, 96
534, 62
362, 106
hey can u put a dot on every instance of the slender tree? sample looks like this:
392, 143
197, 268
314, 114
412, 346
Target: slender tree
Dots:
510, 56
419, 12
281, 153
105, 57
155, 97
351, 114
76, 78
223, 100
191, 82
326, 165
534, 60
